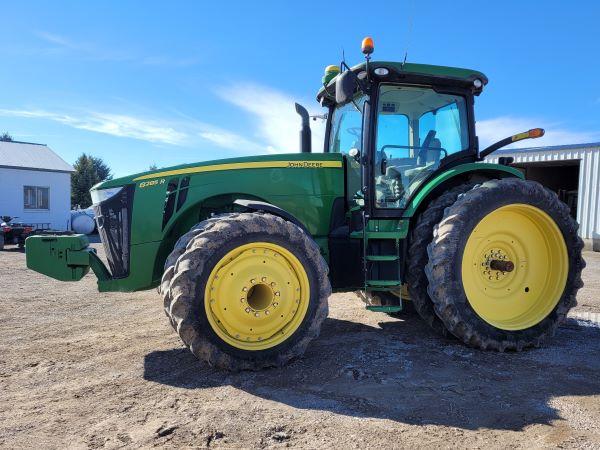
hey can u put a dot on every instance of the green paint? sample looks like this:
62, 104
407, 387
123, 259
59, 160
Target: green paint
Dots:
64, 258
306, 189
383, 283
418, 69
382, 258
385, 309
304, 185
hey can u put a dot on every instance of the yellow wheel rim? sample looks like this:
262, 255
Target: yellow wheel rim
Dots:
257, 296
515, 266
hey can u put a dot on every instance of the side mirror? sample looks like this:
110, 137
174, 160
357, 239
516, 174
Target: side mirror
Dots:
345, 86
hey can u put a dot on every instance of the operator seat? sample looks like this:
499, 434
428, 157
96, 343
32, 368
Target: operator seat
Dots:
428, 156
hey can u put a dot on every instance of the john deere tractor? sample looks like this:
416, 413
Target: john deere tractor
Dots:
245, 252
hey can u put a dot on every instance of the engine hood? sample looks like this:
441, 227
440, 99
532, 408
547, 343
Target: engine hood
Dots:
291, 160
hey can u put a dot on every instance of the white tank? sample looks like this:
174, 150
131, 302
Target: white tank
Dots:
82, 221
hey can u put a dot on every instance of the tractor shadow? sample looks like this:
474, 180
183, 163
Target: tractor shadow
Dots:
403, 372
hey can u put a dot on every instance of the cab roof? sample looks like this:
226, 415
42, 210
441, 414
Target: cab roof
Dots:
411, 72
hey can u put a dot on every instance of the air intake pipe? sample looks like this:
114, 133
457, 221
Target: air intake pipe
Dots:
305, 133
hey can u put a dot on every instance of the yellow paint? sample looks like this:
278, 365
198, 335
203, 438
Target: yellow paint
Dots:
248, 165
257, 296
529, 238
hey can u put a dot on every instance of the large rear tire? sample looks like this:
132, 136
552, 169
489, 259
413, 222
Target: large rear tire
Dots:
505, 265
421, 236
248, 291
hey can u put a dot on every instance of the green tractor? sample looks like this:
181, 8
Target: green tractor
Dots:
245, 252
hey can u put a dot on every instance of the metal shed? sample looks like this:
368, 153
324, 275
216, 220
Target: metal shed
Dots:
572, 171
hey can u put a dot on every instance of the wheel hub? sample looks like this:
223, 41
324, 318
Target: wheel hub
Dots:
257, 296
496, 265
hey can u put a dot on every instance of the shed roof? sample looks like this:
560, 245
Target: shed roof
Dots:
28, 155
549, 148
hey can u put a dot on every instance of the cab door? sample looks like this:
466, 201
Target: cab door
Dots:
417, 130
347, 134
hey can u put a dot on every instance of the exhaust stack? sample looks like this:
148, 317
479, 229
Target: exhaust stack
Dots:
305, 133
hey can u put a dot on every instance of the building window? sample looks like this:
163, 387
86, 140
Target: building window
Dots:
36, 197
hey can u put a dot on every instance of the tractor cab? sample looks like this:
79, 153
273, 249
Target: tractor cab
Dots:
398, 124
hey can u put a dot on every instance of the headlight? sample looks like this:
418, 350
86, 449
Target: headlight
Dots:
100, 195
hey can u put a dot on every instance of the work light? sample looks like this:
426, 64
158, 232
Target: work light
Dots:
101, 195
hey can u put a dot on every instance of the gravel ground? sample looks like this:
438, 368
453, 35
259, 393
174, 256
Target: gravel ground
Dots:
83, 369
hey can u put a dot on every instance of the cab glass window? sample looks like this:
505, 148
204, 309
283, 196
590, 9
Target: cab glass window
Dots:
346, 127
417, 128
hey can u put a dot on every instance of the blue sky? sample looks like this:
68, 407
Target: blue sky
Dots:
148, 82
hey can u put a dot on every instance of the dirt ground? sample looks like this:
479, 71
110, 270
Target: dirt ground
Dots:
83, 369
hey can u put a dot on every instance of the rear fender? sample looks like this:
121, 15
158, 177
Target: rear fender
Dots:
453, 176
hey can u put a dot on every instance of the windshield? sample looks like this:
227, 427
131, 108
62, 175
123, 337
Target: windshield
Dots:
417, 128
346, 127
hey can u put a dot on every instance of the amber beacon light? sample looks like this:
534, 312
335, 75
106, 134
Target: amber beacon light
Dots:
367, 45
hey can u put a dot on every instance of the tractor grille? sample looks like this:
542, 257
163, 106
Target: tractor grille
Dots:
113, 218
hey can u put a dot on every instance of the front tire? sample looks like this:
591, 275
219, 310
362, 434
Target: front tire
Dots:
248, 291
505, 265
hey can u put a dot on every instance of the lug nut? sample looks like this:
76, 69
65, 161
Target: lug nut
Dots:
277, 293
263, 279
247, 310
267, 313
244, 289
256, 315
252, 281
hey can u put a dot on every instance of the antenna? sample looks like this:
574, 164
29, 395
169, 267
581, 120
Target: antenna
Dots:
409, 30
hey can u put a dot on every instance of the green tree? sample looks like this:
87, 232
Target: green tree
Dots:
152, 166
89, 170
6, 137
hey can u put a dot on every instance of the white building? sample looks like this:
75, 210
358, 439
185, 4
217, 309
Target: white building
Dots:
35, 185
572, 171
